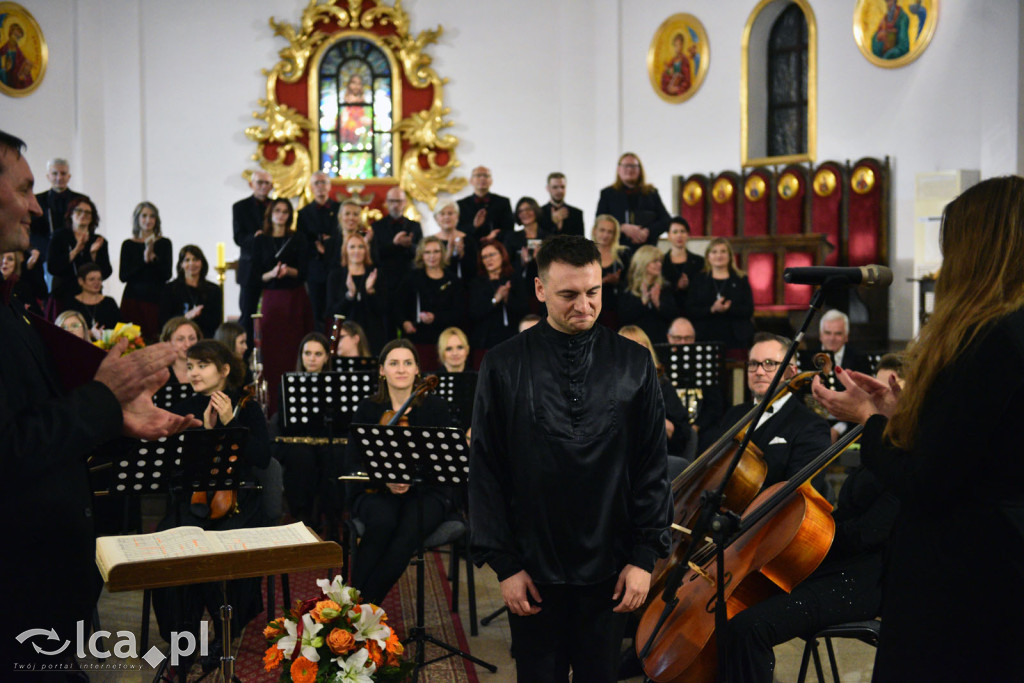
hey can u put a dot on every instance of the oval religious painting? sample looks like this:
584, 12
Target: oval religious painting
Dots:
677, 60
892, 33
23, 52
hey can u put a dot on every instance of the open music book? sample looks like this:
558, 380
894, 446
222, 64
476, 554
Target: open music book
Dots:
115, 553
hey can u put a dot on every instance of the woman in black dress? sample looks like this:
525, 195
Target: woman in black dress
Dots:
73, 246
460, 247
429, 300
949, 447
522, 246
145, 266
720, 303
355, 291
182, 333
101, 312
680, 266
496, 300
647, 300
190, 294
30, 290
635, 204
390, 513
614, 261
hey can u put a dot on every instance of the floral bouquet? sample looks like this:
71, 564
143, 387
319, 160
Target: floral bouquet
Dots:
130, 331
335, 640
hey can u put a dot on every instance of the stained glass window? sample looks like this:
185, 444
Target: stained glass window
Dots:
356, 138
787, 83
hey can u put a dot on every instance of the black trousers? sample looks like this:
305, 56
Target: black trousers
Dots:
311, 484
318, 300
575, 629
851, 594
390, 539
248, 303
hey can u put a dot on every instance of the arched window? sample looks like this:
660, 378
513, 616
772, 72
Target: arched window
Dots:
779, 84
787, 84
355, 111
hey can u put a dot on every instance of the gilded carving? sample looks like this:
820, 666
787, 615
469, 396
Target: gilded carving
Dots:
290, 133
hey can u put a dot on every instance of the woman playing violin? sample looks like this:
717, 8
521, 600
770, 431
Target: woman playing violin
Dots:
216, 375
390, 539
950, 450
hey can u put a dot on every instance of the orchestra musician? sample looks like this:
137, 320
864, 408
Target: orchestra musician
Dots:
950, 450
390, 513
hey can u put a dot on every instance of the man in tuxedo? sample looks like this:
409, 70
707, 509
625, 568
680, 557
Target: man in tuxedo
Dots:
482, 214
557, 217
789, 435
318, 221
54, 204
834, 332
247, 222
396, 237
46, 433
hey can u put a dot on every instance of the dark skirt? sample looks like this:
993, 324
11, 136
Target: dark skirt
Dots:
287, 318
145, 314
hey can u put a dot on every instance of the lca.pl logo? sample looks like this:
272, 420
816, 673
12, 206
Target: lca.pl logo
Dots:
46, 642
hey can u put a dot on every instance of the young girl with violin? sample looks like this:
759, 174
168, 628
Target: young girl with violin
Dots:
389, 513
216, 375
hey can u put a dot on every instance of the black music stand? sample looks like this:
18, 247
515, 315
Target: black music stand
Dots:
357, 364
170, 394
459, 389
324, 401
417, 456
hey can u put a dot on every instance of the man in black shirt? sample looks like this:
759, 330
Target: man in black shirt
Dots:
569, 494
557, 217
54, 204
318, 221
247, 222
482, 214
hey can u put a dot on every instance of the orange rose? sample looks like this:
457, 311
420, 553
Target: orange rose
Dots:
317, 612
376, 654
394, 645
303, 671
340, 641
273, 630
272, 657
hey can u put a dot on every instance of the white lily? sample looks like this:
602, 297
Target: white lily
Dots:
310, 640
355, 668
368, 626
336, 590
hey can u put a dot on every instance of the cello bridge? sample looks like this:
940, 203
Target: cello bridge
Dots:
700, 572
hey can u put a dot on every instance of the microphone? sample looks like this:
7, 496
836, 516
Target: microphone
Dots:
868, 276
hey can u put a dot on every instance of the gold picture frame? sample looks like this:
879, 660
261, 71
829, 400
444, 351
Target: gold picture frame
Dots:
894, 33
23, 51
678, 58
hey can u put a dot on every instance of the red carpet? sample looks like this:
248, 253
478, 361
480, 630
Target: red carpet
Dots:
400, 605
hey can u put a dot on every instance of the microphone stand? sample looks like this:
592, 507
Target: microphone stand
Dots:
723, 525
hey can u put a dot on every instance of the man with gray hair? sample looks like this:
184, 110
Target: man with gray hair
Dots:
318, 221
834, 332
54, 203
247, 222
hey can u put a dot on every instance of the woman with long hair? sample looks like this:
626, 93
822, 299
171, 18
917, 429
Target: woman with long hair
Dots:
74, 322
949, 448
73, 246
460, 247
453, 350
496, 300
190, 294
429, 300
614, 261
355, 291
720, 303
352, 341
680, 266
216, 376
634, 203
27, 289
145, 266
182, 333
390, 514
280, 253
647, 300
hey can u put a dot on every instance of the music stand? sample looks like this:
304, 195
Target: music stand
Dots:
459, 389
417, 456
356, 364
171, 394
323, 400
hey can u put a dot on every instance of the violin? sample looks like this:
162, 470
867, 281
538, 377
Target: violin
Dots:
224, 503
399, 417
707, 471
782, 538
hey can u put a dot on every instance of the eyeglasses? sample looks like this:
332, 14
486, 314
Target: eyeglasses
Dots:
681, 339
769, 365
83, 212
491, 254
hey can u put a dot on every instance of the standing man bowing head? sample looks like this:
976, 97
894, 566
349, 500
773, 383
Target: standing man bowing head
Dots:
569, 495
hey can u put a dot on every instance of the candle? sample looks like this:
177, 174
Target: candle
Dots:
220, 255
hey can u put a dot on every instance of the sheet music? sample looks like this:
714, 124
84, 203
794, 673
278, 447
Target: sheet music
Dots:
182, 541
263, 537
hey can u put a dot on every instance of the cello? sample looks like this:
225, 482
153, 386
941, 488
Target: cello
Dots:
783, 536
707, 471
